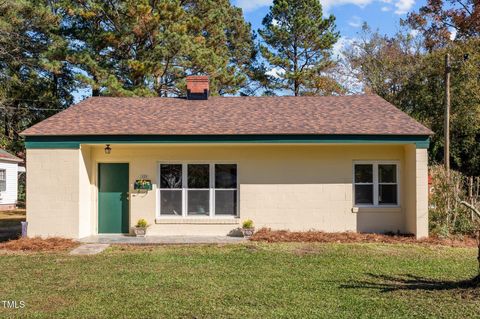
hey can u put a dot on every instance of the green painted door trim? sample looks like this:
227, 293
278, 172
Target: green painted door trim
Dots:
113, 206
74, 142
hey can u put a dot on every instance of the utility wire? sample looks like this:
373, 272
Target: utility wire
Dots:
31, 108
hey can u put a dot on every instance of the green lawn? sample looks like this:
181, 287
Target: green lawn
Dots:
12, 215
253, 280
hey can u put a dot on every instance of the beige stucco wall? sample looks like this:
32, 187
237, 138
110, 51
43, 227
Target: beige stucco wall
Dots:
296, 187
86, 192
416, 205
53, 192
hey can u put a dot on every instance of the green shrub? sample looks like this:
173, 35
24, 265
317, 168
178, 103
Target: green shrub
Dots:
247, 223
141, 223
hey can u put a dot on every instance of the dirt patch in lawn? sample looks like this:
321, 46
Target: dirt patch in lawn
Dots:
39, 244
272, 236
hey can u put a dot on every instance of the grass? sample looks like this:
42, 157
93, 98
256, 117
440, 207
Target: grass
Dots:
12, 215
252, 280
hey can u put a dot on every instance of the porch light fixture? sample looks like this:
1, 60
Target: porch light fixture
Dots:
108, 149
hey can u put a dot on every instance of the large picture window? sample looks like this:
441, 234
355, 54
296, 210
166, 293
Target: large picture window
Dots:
376, 184
189, 190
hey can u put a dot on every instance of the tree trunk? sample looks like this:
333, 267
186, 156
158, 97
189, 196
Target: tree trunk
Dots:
95, 90
296, 84
478, 255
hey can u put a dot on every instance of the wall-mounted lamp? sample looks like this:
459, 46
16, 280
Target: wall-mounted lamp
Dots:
108, 149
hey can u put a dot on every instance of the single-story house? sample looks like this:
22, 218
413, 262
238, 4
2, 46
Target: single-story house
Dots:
9, 170
201, 165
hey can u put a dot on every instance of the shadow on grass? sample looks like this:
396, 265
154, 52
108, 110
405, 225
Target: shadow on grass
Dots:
386, 283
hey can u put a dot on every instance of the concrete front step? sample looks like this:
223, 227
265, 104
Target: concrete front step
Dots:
89, 249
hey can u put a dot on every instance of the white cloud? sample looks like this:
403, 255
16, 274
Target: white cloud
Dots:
414, 33
403, 6
328, 4
252, 5
355, 22
343, 72
341, 45
275, 72
453, 34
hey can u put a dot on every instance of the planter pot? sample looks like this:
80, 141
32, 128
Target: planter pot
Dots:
143, 185
247, 232
140, 231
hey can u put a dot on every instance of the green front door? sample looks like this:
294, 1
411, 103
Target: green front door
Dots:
112, 198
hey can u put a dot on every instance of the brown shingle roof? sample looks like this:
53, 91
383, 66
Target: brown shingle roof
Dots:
359, 114
6, 156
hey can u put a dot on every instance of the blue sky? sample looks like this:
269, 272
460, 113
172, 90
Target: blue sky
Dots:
350, 14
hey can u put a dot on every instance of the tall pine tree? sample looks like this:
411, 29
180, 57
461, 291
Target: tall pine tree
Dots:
146, 48
298, 44
36, 81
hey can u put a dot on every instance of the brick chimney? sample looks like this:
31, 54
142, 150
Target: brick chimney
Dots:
197, 87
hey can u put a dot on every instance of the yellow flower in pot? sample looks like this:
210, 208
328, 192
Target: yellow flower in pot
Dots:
140, 228
247, 228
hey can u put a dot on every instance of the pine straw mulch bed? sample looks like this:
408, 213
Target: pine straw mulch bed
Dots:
38, 244
272, 236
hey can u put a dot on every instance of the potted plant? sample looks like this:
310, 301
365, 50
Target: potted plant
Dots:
247, 228
140, 228
143, 184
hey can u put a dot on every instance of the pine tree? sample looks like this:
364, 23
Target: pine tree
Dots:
146, 48
297, 44
35, 79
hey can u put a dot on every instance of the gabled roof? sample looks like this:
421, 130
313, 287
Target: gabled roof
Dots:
333, 115
6, 156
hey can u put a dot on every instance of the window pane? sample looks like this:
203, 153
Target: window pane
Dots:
226, 202
171, 176
225, 176
363, 194
198, 176
198, 202
171, 202
363, 173
387, 194
387, 173
3, 180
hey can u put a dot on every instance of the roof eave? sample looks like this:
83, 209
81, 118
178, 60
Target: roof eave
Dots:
74, 141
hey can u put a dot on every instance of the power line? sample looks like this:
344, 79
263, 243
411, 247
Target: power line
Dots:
31, 108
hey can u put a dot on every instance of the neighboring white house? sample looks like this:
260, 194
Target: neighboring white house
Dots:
9, 170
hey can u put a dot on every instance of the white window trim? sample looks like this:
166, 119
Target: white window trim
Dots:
376, 183
185, 190
4, 180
